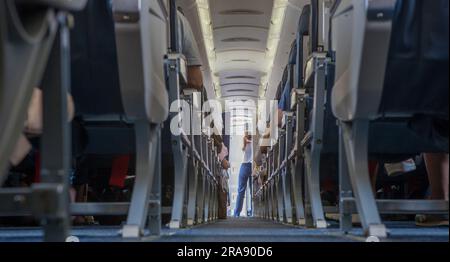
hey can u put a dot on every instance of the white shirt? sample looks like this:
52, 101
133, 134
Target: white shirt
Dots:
248, 153
187, 42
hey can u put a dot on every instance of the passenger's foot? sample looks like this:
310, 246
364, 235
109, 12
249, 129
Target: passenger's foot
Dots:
84, 221
432, 220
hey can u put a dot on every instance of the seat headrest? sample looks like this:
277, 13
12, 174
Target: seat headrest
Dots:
279, 91
285, 76
305, 21
293, 53
70, 5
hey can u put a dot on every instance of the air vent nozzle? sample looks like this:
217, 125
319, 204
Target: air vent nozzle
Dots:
241, 12
240, 60
239, 77
240, 39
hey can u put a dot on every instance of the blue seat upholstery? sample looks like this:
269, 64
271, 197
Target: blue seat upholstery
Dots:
293, 54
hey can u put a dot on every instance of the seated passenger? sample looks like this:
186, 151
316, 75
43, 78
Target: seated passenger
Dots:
189, 48
223, 186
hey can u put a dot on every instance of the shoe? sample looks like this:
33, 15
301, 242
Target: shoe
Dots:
396, 169
432, 220
337, 217
84, 221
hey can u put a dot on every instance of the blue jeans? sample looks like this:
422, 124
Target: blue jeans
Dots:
244, 174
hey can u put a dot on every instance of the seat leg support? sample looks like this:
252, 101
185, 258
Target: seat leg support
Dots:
345, 188
355, 138
56, 146
146, 161
181, 169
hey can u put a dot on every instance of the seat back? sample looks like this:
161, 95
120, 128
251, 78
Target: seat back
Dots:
2, 39
27, 34
361, 32
118, 59
393, 68
141, 37
279, 92
418, 60
303, 30
293, 54
396, 49
95, 74
330, 129
285, 77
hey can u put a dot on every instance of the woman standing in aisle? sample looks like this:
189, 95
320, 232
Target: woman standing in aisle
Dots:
244, 173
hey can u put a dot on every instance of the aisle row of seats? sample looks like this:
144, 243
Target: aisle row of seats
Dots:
361, 93
116, 61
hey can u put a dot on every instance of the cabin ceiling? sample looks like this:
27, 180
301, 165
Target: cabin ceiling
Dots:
240, 32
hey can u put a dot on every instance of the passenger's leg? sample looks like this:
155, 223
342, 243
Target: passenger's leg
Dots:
23, 147
437, 168
195, 78
34, 122
243, 178
438, 171
222, 203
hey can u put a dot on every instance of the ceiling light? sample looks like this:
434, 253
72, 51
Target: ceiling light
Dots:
241, 12
275, 30
208, 38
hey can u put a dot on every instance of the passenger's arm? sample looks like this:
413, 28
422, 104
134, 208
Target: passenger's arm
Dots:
192, 54
225, 164
195, 78
23, 147
280, 117
34, 125
34, 122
